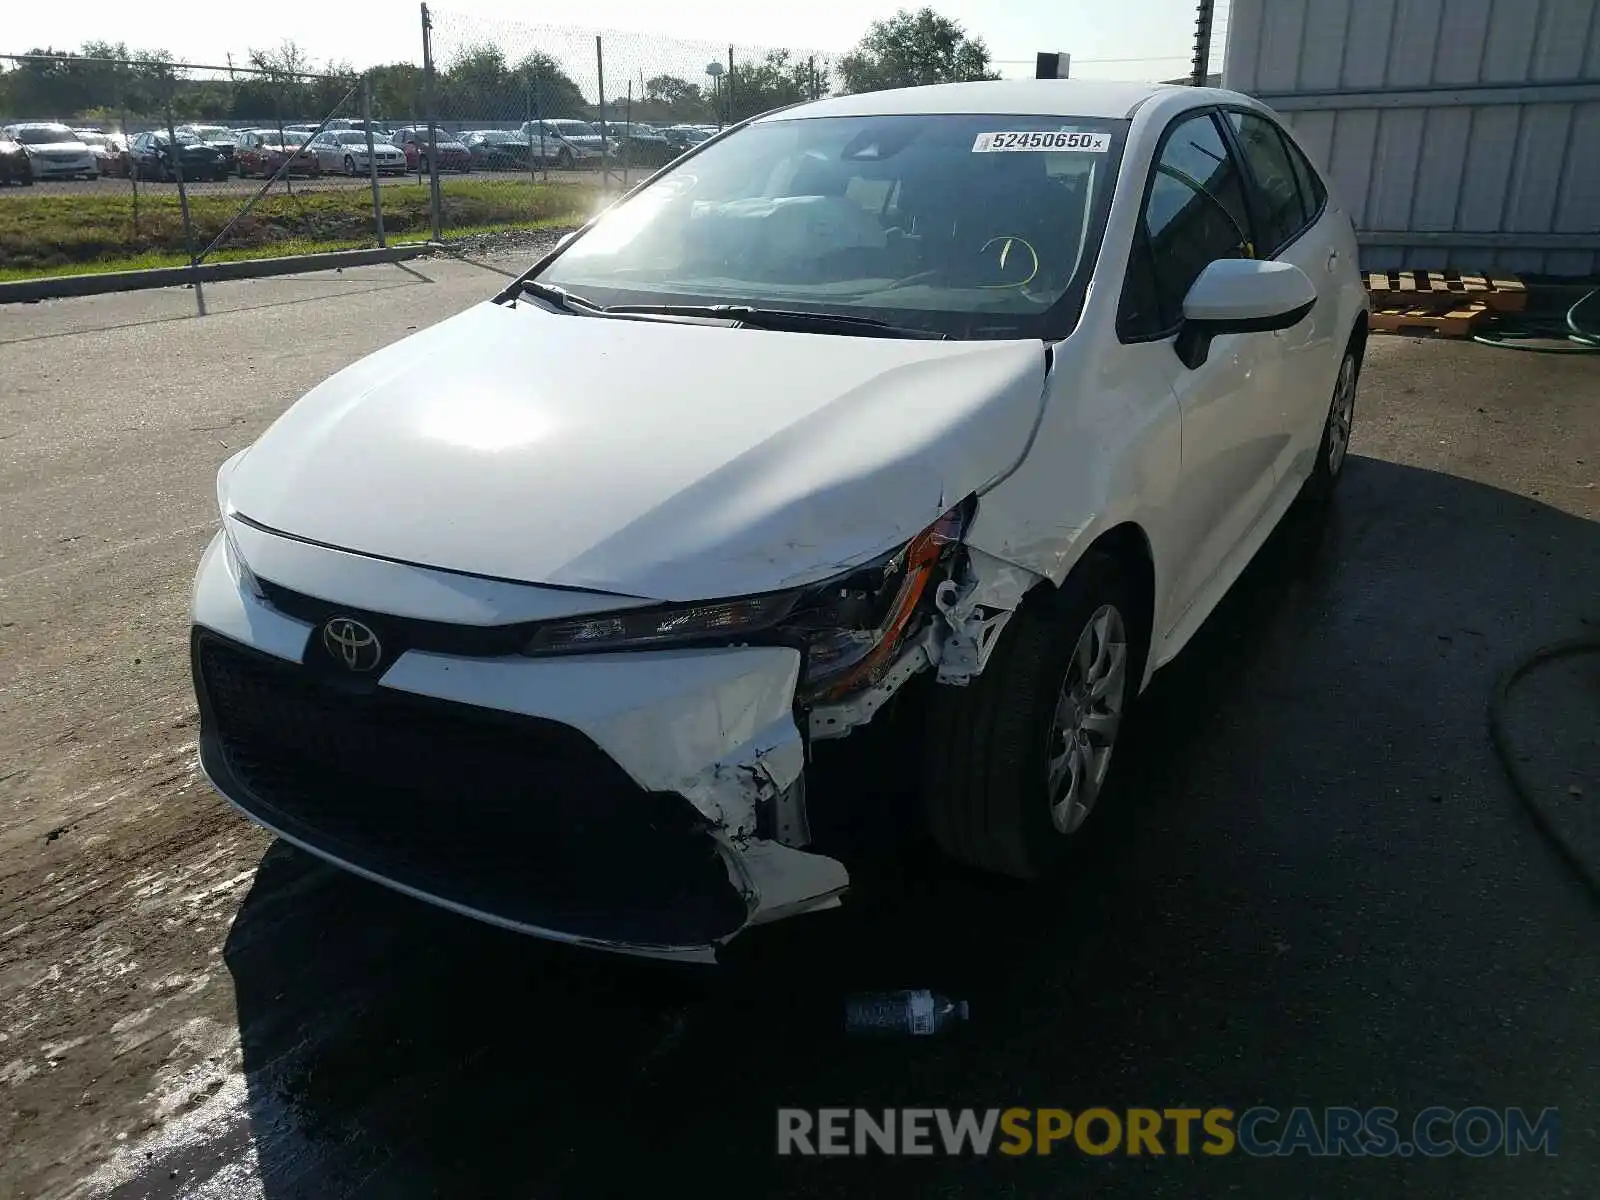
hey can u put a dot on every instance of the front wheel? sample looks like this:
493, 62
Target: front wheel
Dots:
1019, 758
349, 165
1335, 444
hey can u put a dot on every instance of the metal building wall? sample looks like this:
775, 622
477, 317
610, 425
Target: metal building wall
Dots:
1463, 134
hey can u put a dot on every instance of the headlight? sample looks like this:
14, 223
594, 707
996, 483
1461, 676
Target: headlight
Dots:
238, 568
848, 627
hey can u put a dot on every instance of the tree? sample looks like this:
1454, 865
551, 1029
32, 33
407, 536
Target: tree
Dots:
772, 82
548, 89
676, 99
291, 85
397, 93
911, 48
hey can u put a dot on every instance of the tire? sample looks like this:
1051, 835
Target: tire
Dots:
1333, 449
349, 165
991, 745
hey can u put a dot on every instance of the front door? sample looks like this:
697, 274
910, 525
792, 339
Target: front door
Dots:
1194, 213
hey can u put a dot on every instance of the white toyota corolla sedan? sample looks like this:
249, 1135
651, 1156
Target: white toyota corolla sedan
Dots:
536, 613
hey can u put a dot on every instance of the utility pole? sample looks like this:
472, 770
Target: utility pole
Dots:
1202, 43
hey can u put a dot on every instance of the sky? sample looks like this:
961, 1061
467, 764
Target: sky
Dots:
1137, 39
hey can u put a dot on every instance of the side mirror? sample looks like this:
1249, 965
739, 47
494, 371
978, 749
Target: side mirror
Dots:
1241, 295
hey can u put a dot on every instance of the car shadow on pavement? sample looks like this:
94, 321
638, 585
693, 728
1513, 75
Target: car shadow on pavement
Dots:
1296, 894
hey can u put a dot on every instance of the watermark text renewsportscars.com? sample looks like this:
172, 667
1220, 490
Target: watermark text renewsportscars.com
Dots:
1259, 1132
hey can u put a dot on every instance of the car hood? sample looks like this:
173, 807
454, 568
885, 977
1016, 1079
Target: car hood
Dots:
656, 459
57, 147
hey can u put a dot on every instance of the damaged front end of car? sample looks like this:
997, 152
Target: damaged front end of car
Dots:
933, 603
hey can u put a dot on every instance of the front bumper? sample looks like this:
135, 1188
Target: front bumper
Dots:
45, 169
626, 802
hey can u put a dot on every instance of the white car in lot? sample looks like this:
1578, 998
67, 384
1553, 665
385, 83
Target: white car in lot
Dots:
346, 150
54, 151
536, 613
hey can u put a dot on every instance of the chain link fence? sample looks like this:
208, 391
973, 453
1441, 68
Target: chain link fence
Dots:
148, 162
583, 107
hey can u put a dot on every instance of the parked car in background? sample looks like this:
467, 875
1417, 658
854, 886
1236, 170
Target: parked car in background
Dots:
54, 151
682, 137
219, 137
14, 164
565, 143
109, 149
151, 157
637, 145
262, 151
413, 142
346, 150
498, 150
379, 129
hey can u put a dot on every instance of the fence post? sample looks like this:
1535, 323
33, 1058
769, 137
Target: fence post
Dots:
600, 75
288, 176
431, 101
730, 88
372, 156
627, 136
538, 115
1201, 66
133, 176
183, 206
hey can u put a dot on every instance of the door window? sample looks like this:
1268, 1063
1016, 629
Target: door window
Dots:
1284, 210
1194, 213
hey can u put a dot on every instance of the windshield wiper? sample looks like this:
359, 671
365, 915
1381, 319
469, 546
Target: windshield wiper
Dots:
779, 318
559, 296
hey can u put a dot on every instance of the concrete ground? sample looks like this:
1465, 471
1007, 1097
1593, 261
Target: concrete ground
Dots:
112, 185
1315, 886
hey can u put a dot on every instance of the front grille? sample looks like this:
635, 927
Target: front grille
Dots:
439, 637
521, 818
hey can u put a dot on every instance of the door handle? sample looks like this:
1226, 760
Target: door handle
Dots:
1333, 259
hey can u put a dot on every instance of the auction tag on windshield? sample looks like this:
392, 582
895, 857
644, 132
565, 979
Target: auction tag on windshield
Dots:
995, 143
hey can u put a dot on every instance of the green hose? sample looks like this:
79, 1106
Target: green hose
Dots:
1580, 338
1583, 866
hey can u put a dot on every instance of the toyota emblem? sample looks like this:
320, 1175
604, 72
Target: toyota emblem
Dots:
352, 644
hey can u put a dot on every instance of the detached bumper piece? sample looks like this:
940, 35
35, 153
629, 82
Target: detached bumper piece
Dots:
518, 821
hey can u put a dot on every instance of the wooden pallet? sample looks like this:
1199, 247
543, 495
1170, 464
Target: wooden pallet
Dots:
1444, 290
1460, 322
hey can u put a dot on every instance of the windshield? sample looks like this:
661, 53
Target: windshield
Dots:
213, 133
971, 226
93, 139
43, 135
573, 128
351, 137
288, 137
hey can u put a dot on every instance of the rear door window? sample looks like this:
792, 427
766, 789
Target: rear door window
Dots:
1283, 209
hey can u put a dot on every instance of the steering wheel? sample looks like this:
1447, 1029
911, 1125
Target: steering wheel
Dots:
1008, 242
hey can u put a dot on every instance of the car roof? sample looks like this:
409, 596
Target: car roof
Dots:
1040, 97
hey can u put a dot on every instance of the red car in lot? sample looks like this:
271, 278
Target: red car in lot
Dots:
262, 151
453, 155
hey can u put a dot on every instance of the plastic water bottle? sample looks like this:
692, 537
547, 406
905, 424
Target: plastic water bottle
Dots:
918, 1013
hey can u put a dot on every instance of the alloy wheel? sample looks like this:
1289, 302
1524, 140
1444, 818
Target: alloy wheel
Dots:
1088, 713
1342, 415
